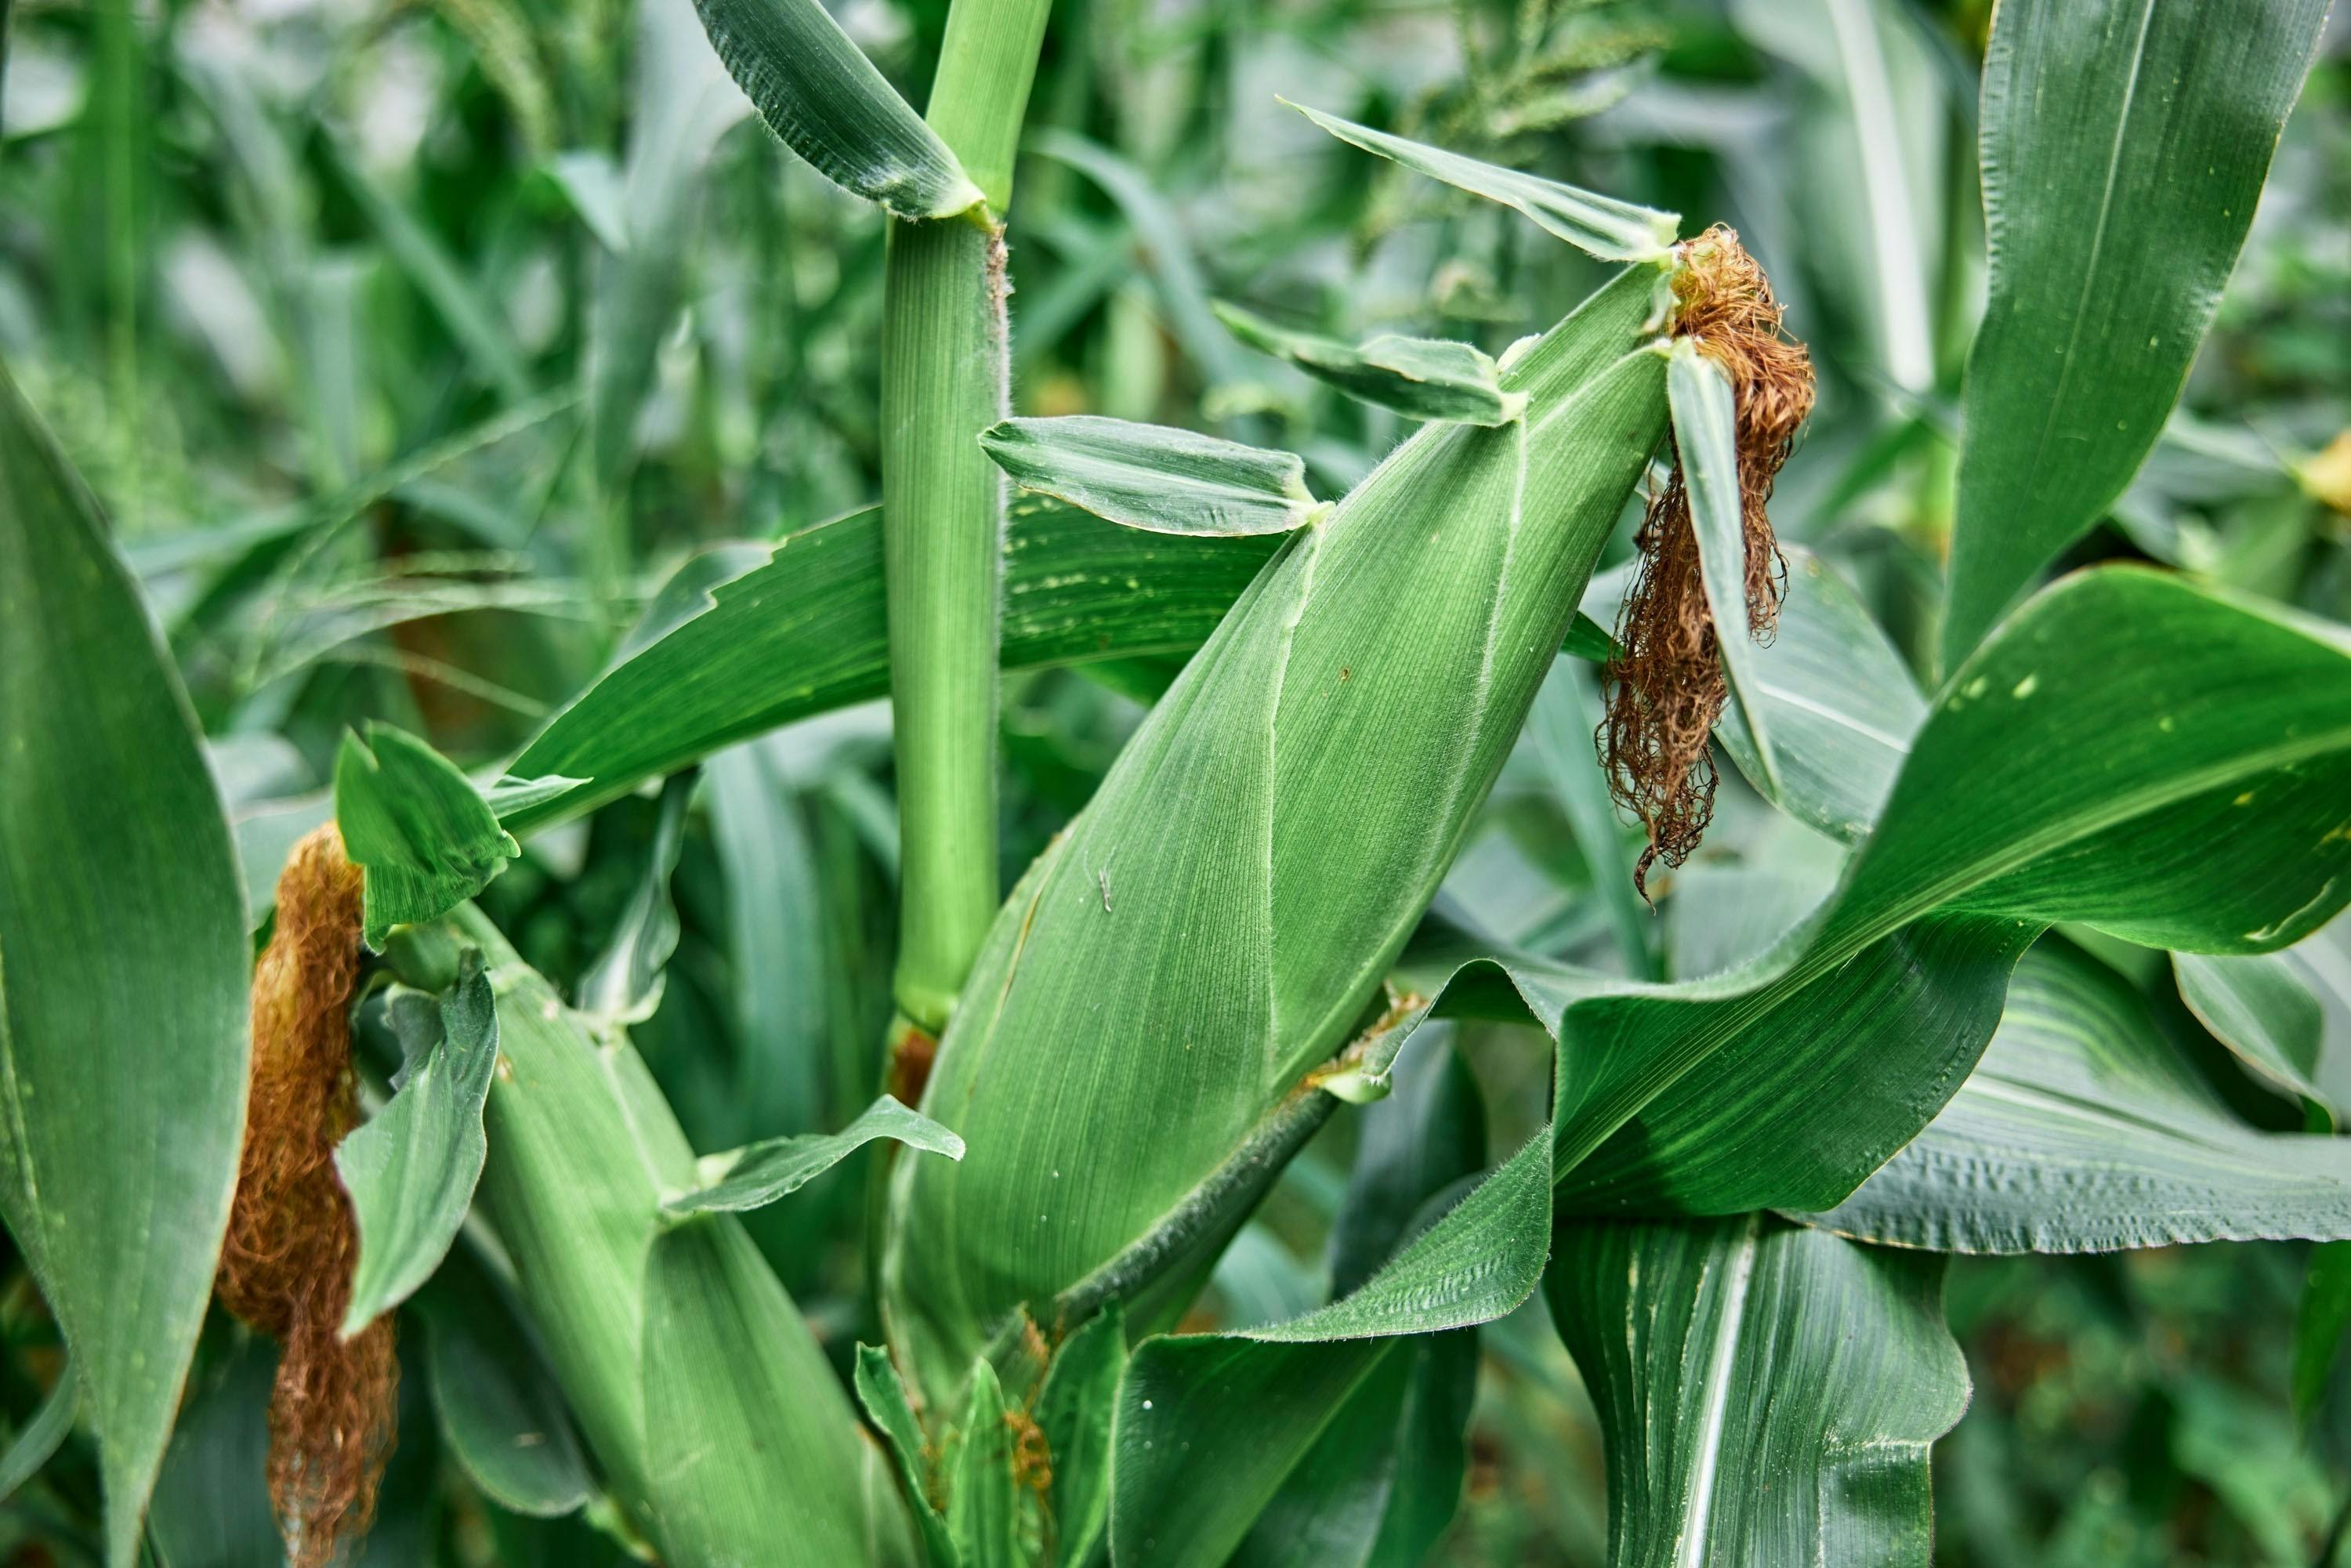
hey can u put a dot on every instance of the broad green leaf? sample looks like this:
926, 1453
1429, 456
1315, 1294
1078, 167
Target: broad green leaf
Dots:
755, 1177
1705, 436
1767, 1394
1152, 477
1602, 225
624, 983
39, 1439
749, 1441
884, 1399
212, 1507
2124, 148
1074, 1409
823, 100
984, 1498
422, 832
2267, 1014
501, 1415
410, 1169
2085, 1129
123, 969
807, 632
2319, 1325
1420, 378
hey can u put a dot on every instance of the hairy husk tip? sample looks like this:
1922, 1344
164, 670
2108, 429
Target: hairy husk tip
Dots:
1666, 684
286, 1267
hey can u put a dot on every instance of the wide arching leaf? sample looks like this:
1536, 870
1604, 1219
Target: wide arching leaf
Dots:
2123, 146
123, 969
1155, 478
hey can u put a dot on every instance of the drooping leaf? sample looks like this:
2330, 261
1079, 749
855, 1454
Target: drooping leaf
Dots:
123, 969
755, 1177
417, 825
1156, 478
1602, 225
1767, 1394
502, 1417
2084, 1128
1705, 436
410, 1169
2124, 148
624, 983
1420, 378
823, 100
2272, 1011
37, 1441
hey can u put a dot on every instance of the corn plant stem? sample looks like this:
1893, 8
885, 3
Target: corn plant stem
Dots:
943, 379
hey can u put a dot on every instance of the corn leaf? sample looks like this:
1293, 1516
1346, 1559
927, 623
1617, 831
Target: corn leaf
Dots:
1420, 378
123, 969
884, 1399
2320, 1323
37, 1441
2124, 148
1602, 225
1075, 1410
624, 983
1151, 476
411, 1168
500, 1414
2085, 1129
1767, 1394
755, 1177
983, 1500
823, 100
1565, 715
2286, 1016
422, 832
1705, 436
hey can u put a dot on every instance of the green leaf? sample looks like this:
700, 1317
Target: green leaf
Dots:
1155, 478
1562, 721
1767, 1394
624, 983
1420, 378
411, 1168
2319, 1325
39, 1439
123, 969
1601, 226
2123, 148
418, 825
1705, 436
775, 936
807, 632
2266, 1010
2085, 1129
984, 1504
1075, 1410
884, 1399
755, 1177
823, 100
500, 1413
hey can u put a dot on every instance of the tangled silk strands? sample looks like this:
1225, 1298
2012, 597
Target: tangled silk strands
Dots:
292, 1241
1666, 683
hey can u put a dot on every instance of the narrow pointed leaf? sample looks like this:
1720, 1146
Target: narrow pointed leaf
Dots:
1602, 225
411, 1168
37, 1441
422, 832
758, 1175
884, 1399
2084, 1129
1420, 378
1075, 1409
1706, 434
823, 100
1155, 478
624, 983
983, 1502
2319, 1325
123, 969
2124, 148
1767, 1394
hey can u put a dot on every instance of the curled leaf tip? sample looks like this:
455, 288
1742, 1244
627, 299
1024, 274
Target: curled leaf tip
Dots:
1665, 682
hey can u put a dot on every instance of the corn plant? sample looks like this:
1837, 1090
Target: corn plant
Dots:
372, 1203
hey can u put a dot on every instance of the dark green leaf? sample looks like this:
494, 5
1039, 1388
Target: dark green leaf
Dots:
41, 1436
2319, 1326
1075, 1410
418, 825
983, 1501
501, 1415
884, 1399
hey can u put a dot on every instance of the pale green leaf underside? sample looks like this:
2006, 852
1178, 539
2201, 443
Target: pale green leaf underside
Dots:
1601, 226
421, 831
1153, 477
2287, 1016
411, 1168
823, 99
501, 1413
2085, 1129
1767, 1394
624, 983
1420, 378
755, 1177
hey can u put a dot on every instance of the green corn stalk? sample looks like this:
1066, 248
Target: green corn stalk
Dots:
582, 1152
945, 368
1141, 1037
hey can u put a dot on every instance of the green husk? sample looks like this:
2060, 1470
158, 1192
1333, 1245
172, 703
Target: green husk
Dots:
1214, 925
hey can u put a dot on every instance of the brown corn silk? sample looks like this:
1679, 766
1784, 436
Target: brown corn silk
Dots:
286, 1267
1666, 683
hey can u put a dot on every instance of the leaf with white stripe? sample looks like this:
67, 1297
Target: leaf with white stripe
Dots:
1420, 378
1767, 1394
1153, 477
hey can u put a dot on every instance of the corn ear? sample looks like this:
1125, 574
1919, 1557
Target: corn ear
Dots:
1257, 858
